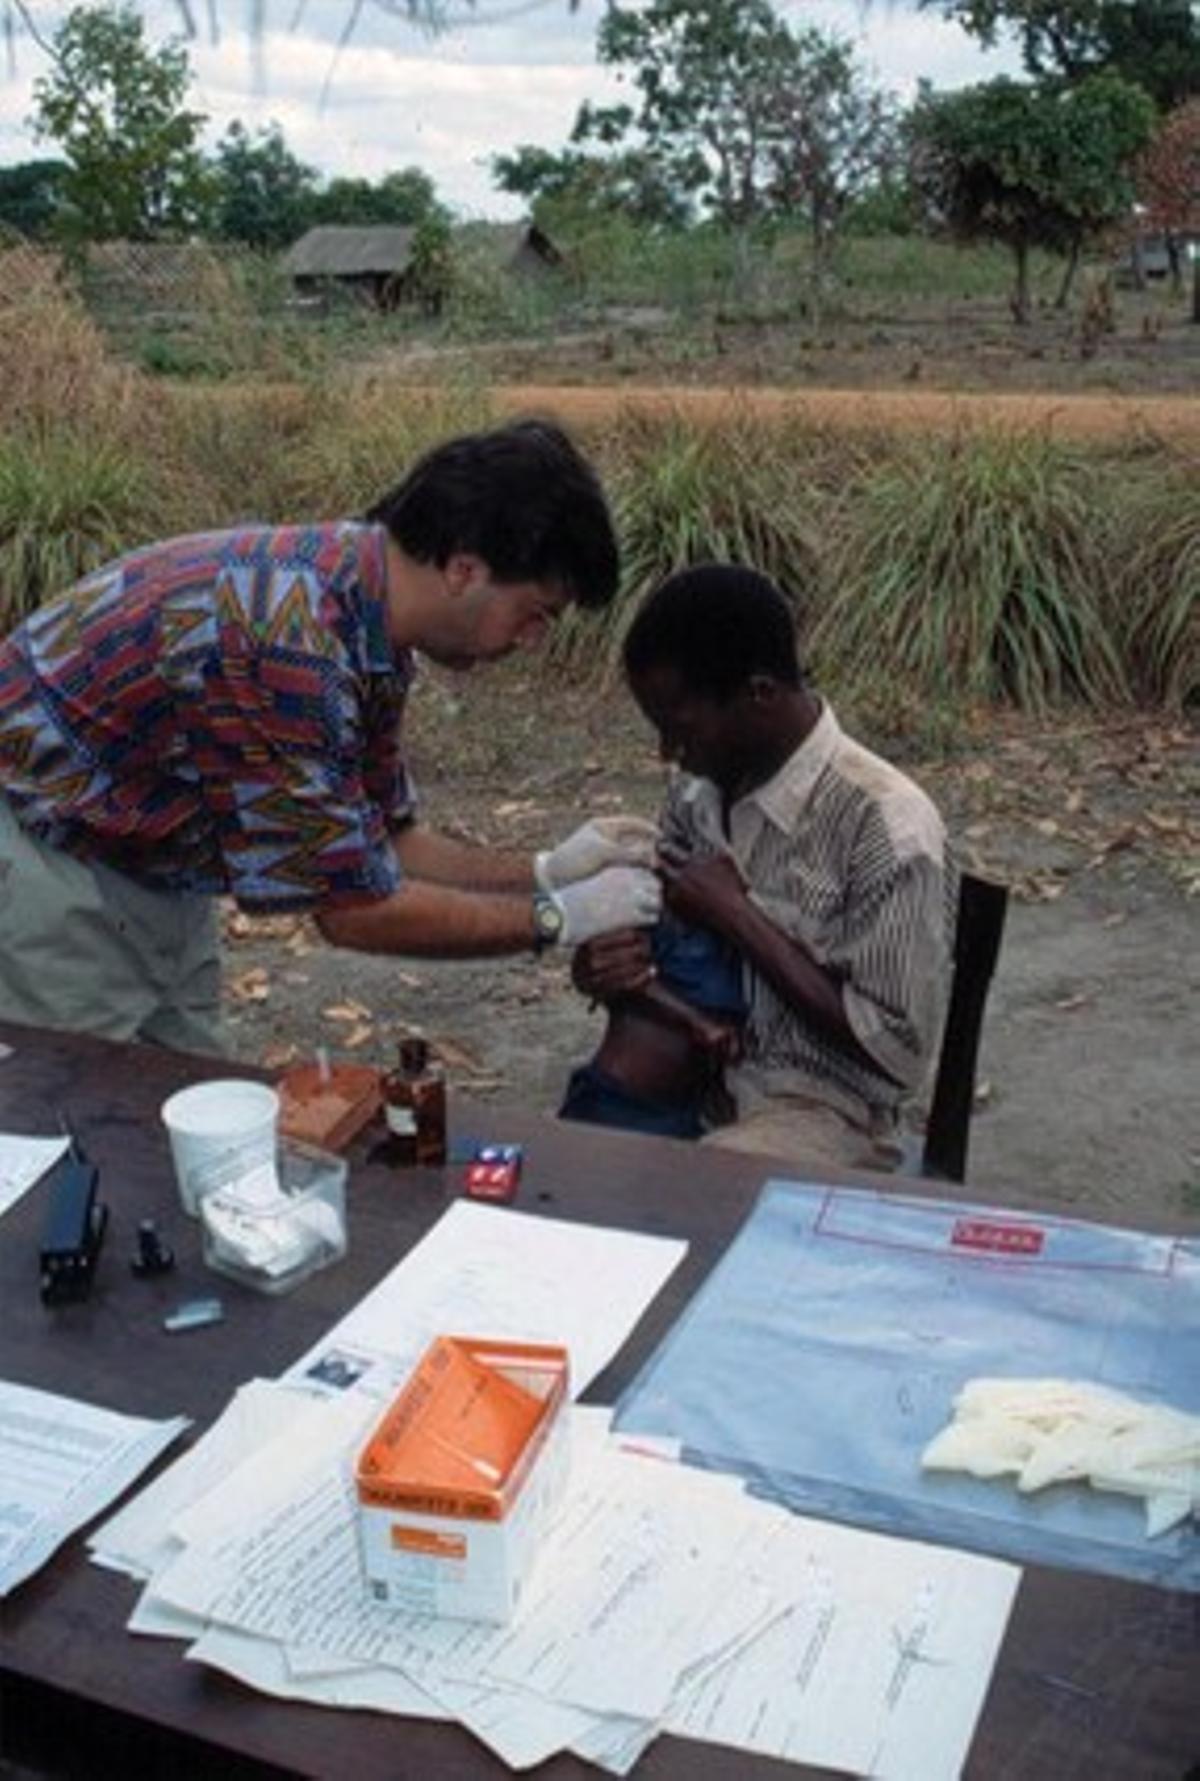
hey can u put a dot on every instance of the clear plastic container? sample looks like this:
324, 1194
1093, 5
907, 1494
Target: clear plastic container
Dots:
275, 1224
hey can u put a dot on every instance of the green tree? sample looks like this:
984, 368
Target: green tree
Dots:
1168, 187
431, 263
571, 185
756, 120
1154, 43
1029, 166
115, 106
831, 136
405, 197
706, 73
31, 196
263, 194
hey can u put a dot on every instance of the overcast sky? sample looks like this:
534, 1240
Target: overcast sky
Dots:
395, 96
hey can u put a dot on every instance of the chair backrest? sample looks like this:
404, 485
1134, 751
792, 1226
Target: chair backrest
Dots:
982, 905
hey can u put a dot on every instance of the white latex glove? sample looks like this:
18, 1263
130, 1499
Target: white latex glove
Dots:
618, 897
604, 841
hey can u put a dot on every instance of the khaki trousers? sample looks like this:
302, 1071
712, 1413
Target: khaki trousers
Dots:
92, 951
808, 1132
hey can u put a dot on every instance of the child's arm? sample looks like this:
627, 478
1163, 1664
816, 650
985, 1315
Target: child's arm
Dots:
616, 969
719, 1038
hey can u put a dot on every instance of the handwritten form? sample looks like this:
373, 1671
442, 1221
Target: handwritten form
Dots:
61, 1462
668, 1599
22, 1162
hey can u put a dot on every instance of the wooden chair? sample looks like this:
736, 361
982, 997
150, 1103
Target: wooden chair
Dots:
982, 906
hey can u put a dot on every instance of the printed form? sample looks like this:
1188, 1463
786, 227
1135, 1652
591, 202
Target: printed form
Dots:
61, 1462
24, 1161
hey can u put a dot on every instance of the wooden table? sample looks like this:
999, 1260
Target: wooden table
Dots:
1096, 1678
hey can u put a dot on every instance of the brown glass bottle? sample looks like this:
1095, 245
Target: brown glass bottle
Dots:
414, 1107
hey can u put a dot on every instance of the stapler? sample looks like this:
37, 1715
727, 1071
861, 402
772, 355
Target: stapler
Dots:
74, 1230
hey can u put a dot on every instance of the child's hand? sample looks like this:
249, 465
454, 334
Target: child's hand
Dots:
721, 1040
613, 965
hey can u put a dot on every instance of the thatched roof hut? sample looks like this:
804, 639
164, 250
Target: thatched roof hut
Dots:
373, 261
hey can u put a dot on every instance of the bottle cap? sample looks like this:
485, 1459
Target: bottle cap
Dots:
414, 1056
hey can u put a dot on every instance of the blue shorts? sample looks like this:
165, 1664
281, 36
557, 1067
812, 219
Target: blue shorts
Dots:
595, 1098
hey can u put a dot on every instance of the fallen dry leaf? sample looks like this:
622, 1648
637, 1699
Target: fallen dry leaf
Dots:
278, 1057
457, 1056
250, 986
347, 1011
358, 1036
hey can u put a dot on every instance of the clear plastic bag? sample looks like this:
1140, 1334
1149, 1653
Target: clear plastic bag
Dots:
827, 1348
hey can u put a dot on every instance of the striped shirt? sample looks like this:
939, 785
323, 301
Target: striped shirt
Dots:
847, 856
217, 713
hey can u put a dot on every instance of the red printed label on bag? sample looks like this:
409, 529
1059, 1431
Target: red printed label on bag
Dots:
1001, 1239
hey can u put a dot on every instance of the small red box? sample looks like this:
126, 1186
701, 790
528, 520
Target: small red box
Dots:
494, 1172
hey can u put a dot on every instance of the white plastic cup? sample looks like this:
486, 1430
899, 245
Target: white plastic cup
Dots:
211, 1121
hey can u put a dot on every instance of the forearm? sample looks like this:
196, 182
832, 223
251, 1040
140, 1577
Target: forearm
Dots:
426, 920
439, 859
794, 974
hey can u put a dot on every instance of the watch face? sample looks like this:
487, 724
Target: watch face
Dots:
548, 920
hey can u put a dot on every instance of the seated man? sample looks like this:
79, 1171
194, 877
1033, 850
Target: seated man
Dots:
823, 866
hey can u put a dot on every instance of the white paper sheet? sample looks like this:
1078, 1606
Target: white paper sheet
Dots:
138, 1539
486, 1271
880, 1665
61, 1462
24, 1161
263, 1664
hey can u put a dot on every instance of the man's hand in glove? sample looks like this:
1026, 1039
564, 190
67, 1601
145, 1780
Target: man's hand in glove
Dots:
618, 897
601, 842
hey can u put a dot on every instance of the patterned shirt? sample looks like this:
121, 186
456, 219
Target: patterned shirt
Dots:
846, 855
219, 713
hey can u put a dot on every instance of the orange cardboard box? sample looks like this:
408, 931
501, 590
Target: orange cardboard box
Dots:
459, 1481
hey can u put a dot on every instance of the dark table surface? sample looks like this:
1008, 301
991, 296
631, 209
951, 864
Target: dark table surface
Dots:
1096, 1678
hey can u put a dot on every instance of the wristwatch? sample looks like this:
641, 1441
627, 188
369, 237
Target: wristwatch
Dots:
547, 922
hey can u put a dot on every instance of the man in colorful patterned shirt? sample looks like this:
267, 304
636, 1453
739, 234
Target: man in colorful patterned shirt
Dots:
220, 714
823, 866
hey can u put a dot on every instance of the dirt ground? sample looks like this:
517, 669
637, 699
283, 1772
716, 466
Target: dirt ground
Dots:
1089, 1074
917, 347
1095, 417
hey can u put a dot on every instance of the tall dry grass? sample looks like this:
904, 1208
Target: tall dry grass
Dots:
976, 568
683, 495
55, 367
930, 574
81, 463
1156, 557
